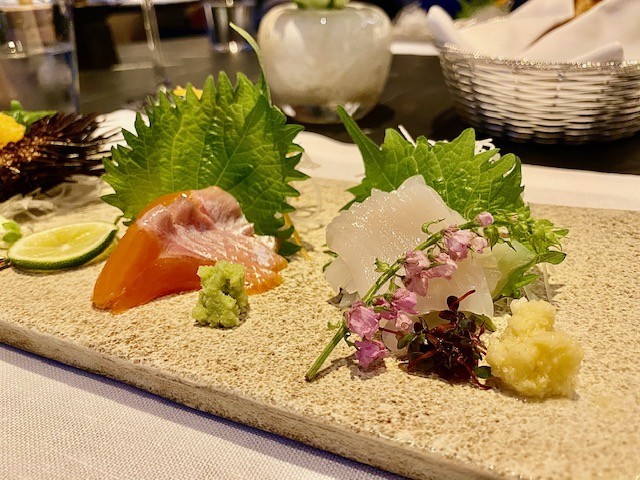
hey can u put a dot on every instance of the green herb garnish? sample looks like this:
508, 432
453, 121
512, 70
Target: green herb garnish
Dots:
9, 232
24, 117
449, 344
468, 8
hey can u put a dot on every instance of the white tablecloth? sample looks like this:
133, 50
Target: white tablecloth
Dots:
57, 422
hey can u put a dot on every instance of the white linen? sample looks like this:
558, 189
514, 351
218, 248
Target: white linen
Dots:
611, 52
545, 30
59, 423
424, 49
609, 22
444, 30
511, 35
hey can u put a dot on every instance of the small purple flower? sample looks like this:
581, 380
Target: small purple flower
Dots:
418, 284
402, 321
362, 320
445, 268
478, 244
379, 301
397, 311
415, 267
405, 301
415, 261
369, 351
484, 219
457, 242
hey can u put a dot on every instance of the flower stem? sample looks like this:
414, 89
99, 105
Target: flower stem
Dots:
326, 352
395, 266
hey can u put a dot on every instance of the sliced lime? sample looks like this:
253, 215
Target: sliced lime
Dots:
62, 247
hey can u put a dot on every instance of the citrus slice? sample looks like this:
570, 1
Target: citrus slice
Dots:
67, 246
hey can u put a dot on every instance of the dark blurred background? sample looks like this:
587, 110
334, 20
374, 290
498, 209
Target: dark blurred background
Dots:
102, 25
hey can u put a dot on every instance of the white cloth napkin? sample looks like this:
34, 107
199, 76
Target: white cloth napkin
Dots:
512, 35
445, 31
545, 30
610, 31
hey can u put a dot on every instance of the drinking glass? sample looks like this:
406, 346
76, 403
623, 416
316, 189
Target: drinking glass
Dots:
152, 33
38, 64
219, 13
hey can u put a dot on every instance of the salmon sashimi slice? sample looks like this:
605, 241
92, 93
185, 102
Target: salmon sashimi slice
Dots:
173, 236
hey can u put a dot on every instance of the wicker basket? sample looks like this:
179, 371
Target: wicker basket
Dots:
544, 102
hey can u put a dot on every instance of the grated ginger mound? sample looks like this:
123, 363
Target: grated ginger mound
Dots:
10, 130
533, 358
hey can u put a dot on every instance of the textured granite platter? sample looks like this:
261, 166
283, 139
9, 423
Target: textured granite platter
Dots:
415, 426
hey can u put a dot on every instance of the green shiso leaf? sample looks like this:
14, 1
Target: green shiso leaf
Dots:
254, 45
232, 138
467, 182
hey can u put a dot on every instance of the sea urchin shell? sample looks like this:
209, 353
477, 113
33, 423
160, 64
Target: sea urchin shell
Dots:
53, 149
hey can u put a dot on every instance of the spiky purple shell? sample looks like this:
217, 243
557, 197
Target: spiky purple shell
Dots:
53, 149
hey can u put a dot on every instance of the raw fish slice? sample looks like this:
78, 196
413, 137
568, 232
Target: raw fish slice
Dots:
387, 225
501, 261
160, 254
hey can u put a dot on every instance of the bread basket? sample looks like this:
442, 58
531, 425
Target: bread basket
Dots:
544, 102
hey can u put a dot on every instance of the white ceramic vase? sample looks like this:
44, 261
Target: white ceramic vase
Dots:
315, 60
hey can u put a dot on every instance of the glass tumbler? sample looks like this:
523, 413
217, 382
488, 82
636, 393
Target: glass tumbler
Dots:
38, 64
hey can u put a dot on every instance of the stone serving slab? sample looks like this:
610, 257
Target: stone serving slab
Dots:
412, 425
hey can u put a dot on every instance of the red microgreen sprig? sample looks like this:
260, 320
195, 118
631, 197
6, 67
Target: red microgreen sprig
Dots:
452, 347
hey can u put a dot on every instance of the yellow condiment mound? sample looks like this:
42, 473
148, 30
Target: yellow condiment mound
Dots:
533, 358
10, 130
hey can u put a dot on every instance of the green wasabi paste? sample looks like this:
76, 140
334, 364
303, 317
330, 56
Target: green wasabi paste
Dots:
222, 300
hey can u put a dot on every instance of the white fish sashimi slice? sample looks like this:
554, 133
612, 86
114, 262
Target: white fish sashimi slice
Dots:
468, 276
338, 274
384, 226
387, 225
501, 261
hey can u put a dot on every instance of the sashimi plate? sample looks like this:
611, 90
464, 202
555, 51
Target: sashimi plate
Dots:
421, 427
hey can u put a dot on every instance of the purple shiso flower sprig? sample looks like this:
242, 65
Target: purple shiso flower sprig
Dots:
392, 312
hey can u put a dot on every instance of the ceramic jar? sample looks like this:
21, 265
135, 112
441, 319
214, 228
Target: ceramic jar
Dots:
317, 59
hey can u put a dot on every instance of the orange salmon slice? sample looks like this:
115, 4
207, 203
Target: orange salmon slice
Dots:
174, 235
